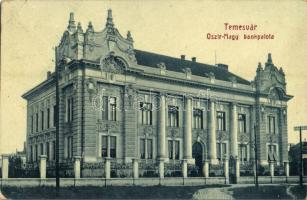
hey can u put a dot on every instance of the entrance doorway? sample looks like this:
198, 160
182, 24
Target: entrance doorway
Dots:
197, 153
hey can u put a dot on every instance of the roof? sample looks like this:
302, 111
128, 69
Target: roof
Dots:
176, 64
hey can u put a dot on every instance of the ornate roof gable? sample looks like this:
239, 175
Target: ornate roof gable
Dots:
95, 46
271, 80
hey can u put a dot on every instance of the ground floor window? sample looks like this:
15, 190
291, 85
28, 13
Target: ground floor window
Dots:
173, 149
53, 150
243, 151
31, 153
272, 152
36, 153
221, 150
69, 147
108, 146
48, 150
146, 148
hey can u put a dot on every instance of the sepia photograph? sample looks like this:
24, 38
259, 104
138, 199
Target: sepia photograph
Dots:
131, 99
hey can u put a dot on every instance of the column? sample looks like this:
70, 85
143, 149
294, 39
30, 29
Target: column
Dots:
107, 168
271, 168
212, 134
206, 168
42, 166
135, 164
77, 166
188, 129
161, 168
226, 168
286, 164
234, 130
162, 125
5, 166
184, 168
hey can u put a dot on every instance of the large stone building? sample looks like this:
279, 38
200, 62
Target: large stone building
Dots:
122, 103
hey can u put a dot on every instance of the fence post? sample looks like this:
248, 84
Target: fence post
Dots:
287, 168
237, 163
206, 168
226, 170
135, 168
107, 168
161, 168
271, 168
42, 166
184, 168
77, 169
5, 166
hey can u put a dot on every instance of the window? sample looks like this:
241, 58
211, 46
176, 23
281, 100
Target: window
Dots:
41, 149
53, 150
42, 122
242, 123
36, 129
221, 121
104, 146
146, 113
113, 147
173, 149
149, 149
177, 150
108, 146
272, 152
113, 109
271, 124
48, 150
243, 152
69, 109
69, 147
198, 118
32, 124
48, 117
105, 108
221, 150
146, 148
170, 149
142, 148
54, 115
173, 116
109, 108
36, 153
31, 153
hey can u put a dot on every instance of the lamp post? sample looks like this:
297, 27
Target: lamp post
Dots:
57, 136
256, 157
300, 128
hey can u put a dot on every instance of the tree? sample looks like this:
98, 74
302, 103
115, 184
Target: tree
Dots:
294, 159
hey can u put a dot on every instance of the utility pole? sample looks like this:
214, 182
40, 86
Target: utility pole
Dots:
300, 128
57, 125
256, 157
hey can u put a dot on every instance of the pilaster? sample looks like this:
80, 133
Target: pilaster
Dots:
234, 130
188, 130
212, 133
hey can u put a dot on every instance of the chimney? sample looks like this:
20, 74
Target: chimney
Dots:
223, 66
48, 74
193, 59
182, 57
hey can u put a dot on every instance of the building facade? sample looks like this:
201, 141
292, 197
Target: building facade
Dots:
121, 103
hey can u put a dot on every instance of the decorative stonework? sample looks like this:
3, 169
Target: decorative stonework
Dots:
173, 132
112, 64
108, 126
130, 93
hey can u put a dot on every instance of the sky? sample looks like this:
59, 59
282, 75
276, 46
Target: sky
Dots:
31, 30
